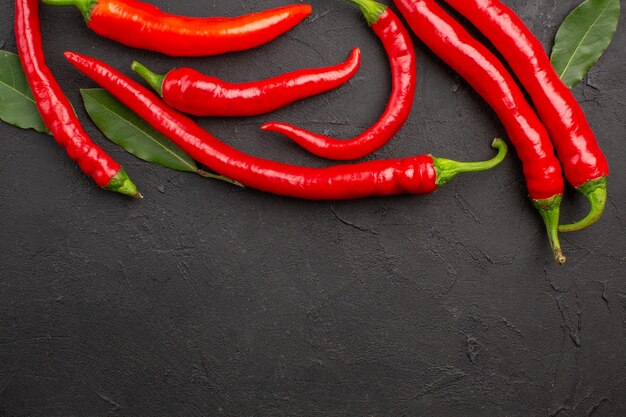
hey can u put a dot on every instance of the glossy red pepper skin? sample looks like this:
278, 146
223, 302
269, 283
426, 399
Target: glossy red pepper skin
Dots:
191, 92
488, 76
416, 175
399, 48
56, 110
576, 144
142, 25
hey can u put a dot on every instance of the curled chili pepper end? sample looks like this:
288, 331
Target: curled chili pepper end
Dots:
85, 6
154, 80
122, 184
401, 54
370, 9
448, 169
595, 192
550, 210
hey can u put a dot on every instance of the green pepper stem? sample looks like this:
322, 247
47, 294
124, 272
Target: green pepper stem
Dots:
550, 210
371, 10
595, 192
206, 174
448, 169
122, 184
85, 6
155, 80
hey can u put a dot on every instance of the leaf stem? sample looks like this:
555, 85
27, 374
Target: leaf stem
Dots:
155, 80
207, 174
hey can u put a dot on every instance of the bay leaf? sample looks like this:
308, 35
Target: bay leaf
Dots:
125, 128
583, 37
17, 105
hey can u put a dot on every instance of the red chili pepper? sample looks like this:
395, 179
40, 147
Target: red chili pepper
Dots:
191, 92
585, 166
56, 110
399, 47
488, 76
415, 175
144, 26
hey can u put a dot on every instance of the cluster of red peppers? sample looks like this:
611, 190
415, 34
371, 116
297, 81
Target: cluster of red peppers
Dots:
556, 121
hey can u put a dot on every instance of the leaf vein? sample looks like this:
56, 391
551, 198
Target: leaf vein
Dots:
17, 91
571, 59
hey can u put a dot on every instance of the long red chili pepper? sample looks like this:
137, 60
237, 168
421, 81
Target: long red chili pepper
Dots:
399, 47
488, 76
56, 110
191, 92
145, 26
415, 175
585, 166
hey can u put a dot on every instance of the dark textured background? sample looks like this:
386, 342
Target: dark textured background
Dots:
208, 300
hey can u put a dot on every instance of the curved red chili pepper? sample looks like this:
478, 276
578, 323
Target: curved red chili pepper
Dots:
191, 92
141, 25
399, 47
415, 175
488, 76
56, 110
585, 166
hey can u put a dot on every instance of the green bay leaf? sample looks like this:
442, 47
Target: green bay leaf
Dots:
125, 128
17, 105
583, 37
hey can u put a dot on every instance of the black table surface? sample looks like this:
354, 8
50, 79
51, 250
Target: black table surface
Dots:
208, 300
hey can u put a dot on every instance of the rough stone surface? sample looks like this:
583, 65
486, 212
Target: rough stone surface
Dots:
206, 300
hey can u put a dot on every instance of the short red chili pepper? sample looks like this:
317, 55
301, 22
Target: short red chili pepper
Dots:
191, 92
585, 166
399, 47
488, 76
415, 175
141, 25
56, 110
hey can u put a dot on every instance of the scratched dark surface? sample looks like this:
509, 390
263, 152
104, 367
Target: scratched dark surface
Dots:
208, 300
